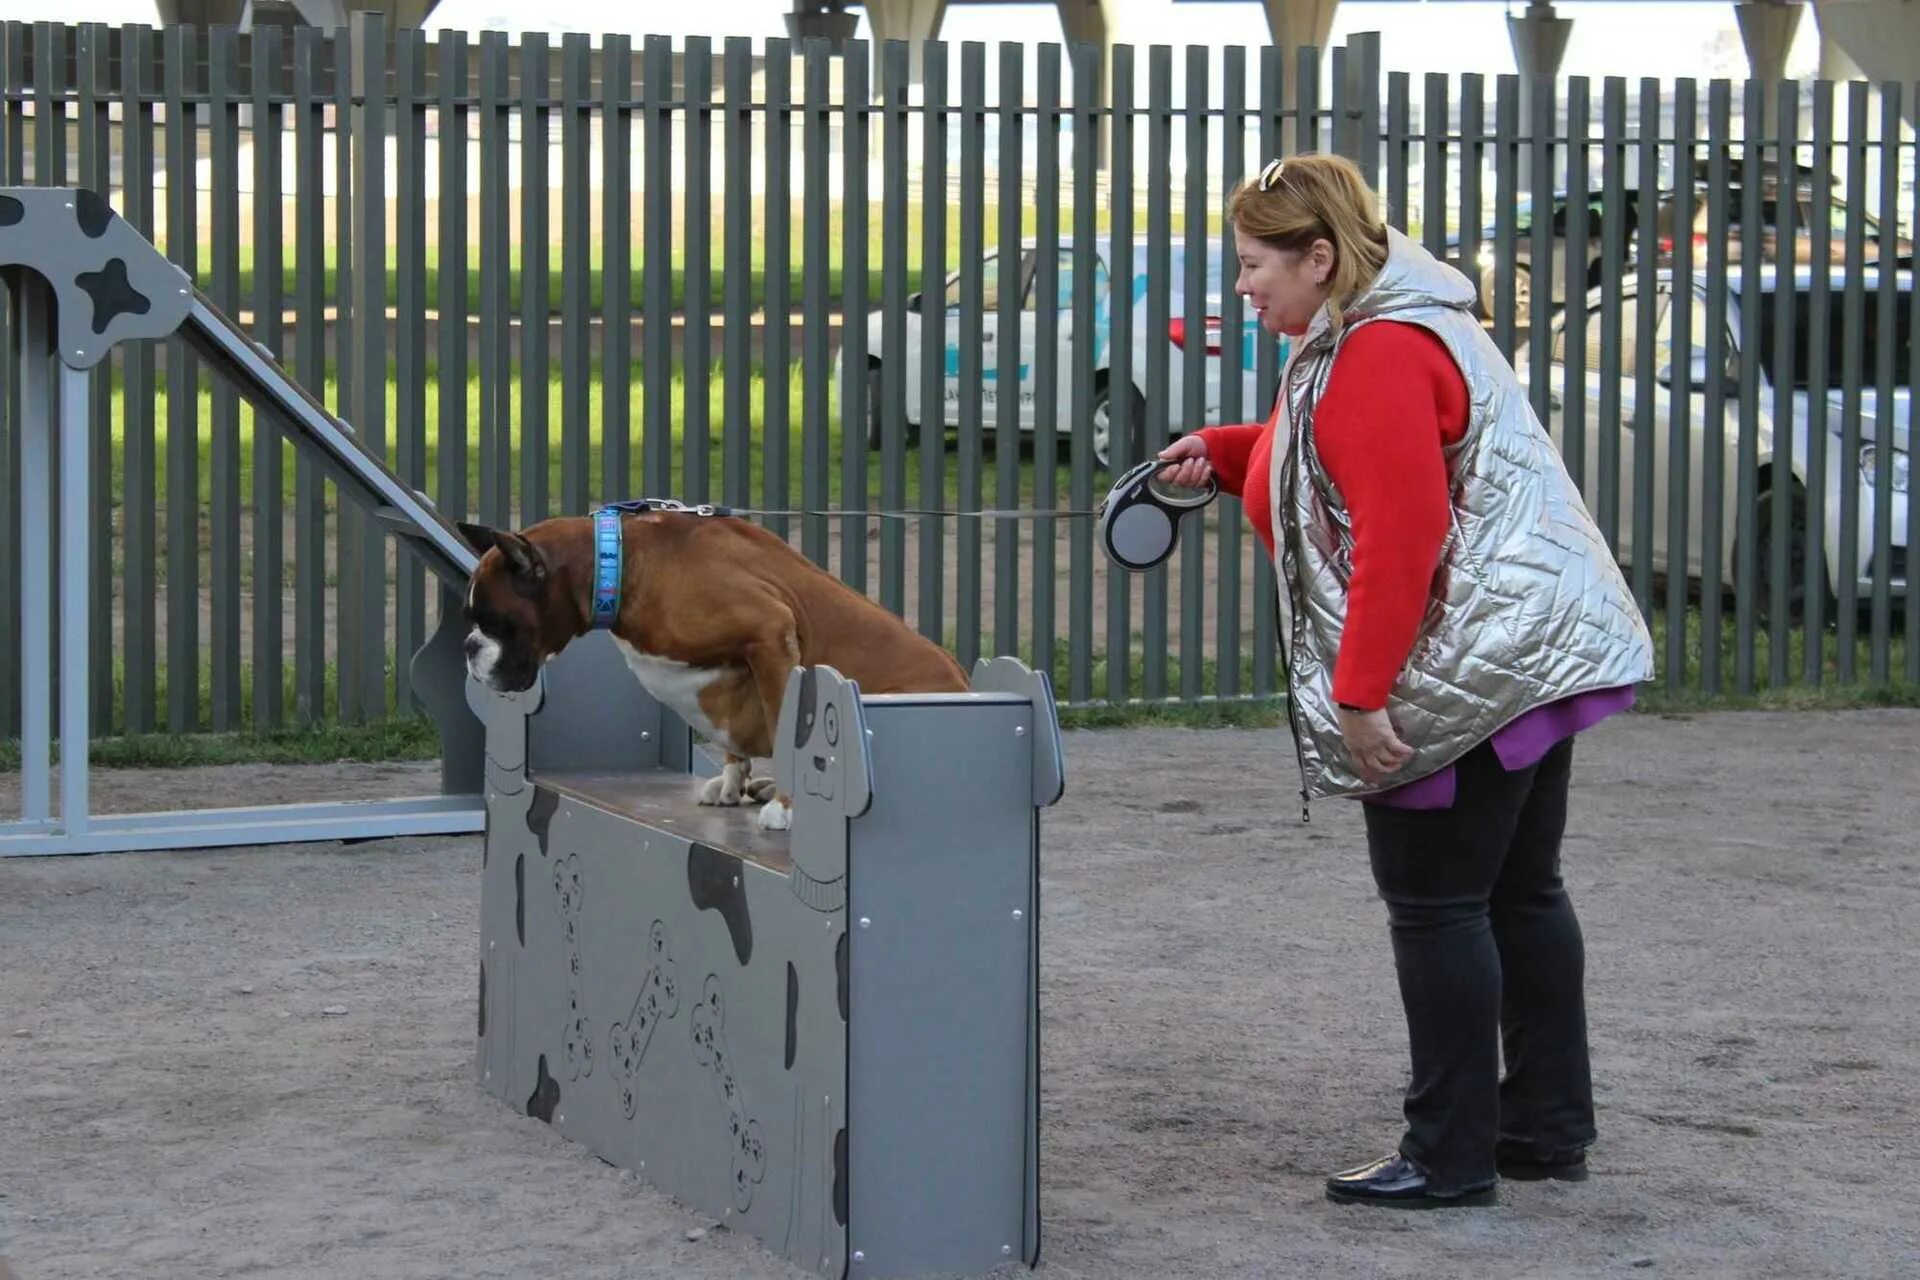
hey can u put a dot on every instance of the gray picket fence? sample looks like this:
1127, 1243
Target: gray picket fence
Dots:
538, 278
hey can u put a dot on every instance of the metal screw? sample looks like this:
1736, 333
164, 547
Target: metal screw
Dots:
864, 922
646, 735
858, 1256
1019, 731
1016, 913
561, 1118
489, 944
1006, 1251
79, 355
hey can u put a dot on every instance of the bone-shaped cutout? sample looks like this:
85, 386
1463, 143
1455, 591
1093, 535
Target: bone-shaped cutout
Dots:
578, 1036
658, 1000
748, 1148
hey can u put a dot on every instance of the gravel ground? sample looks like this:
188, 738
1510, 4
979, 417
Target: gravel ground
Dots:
259, 1062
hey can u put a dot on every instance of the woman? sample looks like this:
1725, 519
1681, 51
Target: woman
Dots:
1450, 618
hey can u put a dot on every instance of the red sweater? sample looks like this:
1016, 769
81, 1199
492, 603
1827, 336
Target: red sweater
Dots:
1394, 399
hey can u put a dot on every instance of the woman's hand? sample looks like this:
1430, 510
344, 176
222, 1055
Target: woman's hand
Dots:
1376, 749
1194, 469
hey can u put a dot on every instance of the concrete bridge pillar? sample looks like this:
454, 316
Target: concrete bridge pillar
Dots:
1539, 46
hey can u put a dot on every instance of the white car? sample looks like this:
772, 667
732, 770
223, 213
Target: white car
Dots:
1883, 430
1059, 363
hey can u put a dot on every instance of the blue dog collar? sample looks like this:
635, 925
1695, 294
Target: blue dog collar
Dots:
607, 557
608, 546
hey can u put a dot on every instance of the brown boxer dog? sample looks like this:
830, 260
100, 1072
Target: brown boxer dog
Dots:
711, 612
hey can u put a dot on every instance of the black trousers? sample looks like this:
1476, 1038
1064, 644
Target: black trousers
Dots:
1490, 958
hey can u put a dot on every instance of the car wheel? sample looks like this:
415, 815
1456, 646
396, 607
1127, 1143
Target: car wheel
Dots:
1103, 425
1796, 584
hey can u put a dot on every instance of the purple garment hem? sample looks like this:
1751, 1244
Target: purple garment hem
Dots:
1518, 745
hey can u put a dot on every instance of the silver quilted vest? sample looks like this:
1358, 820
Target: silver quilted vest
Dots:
1528, 604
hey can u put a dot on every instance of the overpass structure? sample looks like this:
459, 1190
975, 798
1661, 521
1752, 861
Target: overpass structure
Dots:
1871, 39
1876, 40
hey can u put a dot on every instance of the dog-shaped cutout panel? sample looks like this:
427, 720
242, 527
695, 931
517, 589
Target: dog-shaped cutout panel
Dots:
821, 764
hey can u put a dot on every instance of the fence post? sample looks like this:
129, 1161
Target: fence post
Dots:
12, 167
1367, 97
363, 677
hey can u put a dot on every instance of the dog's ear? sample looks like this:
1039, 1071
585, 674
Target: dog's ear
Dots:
478, 536
524, 561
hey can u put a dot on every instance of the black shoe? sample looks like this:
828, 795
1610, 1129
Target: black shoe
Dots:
1525, 1164
1399, 1183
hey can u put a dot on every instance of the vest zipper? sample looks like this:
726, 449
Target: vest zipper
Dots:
1293, 722
1283, 570
1283, 565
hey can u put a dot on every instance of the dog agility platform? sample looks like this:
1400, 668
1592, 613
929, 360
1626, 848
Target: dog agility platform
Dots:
826, 1037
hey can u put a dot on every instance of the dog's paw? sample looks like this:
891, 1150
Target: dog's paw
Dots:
776, 815
721, 789
761, 790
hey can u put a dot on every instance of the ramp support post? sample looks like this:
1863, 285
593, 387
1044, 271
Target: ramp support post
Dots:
83, 281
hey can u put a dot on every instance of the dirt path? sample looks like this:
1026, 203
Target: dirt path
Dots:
1220, 1019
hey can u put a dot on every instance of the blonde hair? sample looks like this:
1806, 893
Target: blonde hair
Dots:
1312, 197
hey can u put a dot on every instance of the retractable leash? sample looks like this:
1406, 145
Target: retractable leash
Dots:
1139, 525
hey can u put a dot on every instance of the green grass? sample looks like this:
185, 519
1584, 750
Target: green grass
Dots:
395, 740
719, 268
679, 481
1831, 692
434, 391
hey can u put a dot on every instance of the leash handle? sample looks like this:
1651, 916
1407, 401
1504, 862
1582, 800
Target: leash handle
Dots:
1151, 468
1139, 526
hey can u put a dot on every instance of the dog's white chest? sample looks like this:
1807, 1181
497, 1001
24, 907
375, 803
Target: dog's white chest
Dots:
677, 685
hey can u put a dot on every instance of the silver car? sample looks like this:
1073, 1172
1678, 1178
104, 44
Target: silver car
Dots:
1883, 429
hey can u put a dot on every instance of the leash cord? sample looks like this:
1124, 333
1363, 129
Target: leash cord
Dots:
636, 505
905, 513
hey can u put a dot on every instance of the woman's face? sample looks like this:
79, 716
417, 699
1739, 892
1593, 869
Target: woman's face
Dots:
1285, 287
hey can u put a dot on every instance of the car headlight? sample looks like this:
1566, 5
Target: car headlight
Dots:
1870, 467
